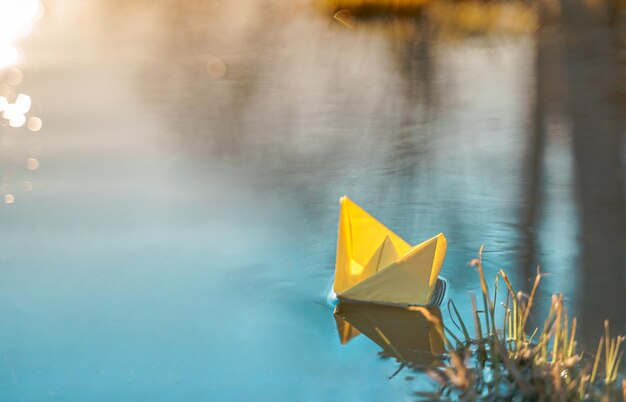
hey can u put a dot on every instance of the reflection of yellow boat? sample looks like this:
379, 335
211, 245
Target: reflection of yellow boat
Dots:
376, 265
402, 333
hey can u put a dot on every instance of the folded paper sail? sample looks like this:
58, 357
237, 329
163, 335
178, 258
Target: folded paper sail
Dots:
376, 265
401, 333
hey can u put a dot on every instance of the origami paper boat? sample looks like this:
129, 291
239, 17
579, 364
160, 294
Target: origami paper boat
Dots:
375, 265
401, 333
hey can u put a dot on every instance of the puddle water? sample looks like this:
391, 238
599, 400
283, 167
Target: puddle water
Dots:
177, 238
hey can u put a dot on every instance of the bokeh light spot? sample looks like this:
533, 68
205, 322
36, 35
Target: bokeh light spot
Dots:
216, 69
13, 76
32, 164
34, 123
23, 103
17, 120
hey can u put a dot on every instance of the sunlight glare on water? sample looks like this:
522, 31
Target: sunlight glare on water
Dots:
16, 19
16, 23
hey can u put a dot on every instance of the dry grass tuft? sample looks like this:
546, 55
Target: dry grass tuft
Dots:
511, 363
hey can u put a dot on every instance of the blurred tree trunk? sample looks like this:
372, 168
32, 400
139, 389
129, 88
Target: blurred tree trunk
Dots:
549, 95
592, 70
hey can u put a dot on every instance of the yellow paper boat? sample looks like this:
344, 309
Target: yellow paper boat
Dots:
375, 265
401, 333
